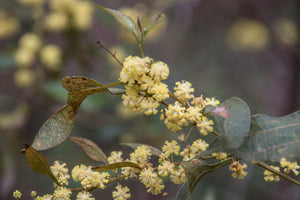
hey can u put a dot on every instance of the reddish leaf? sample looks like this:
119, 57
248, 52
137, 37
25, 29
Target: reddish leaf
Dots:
91, 149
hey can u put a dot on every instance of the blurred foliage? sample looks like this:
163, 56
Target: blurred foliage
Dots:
224, 48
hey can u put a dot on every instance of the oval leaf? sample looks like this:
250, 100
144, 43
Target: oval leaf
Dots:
134, 146
57, 128
123, 19
117, 165
272, 138
233, 123
91, 149
38, 162
155, 20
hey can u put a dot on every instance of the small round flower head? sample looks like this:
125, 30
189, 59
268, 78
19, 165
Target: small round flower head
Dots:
159, 71
205, 126
183, 91
149, 106
289, 166
47, 197
147, 176
220, 155
56, 21
79, 172
178, 175
115, 156
121, 193
141, 155
156, 186
270, 176
238, 170
193, 114
159, 91
60, 172
198, 146
51, 56
171, 147
175, 117
17, 194
82, 15
30, 41
84, 196
165, 168
187, 153
62, 193
211, 101
134, 68
23, 57
33, 193
198, 102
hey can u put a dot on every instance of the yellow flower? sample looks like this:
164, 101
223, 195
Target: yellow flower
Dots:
121, 193
60, 172
289, 166
115, 156
82, 15
17, 194
24, 57
147, 176
175, 117
270, 176
187, 153
51, 56
183, 91
205, 126
178, 175
238, 170
56, 21
165, 168
47, 197
171, 147
220, 155
84, 196
31, 42
24, 78
211, 101
159, 71
9, 25
193, 114
141, 155
198, 146
62, 193
287, 31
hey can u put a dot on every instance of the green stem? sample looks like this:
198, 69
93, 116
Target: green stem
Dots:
215, 133
267, 167
141, 49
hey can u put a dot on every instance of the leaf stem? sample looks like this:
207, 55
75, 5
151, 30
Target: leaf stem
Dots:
267, 167
189, 133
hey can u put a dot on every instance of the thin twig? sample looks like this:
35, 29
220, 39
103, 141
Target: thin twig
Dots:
112, 54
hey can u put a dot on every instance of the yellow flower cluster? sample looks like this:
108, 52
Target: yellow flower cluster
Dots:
76, 13
121, 193
30, 44
287, 167
9, 24
183, 113
144, 89
90, 179
60, 172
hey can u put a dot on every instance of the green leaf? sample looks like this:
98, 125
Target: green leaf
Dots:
183, 192
91, 149
38, 162
155, 20
123, 19
232, 119
272, 138
196, 170
134, 146
57, 128
80, 87
117, 165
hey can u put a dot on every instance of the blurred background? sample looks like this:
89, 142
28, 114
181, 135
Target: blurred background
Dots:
244, 48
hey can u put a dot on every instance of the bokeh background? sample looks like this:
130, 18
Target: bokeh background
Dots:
225, 48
